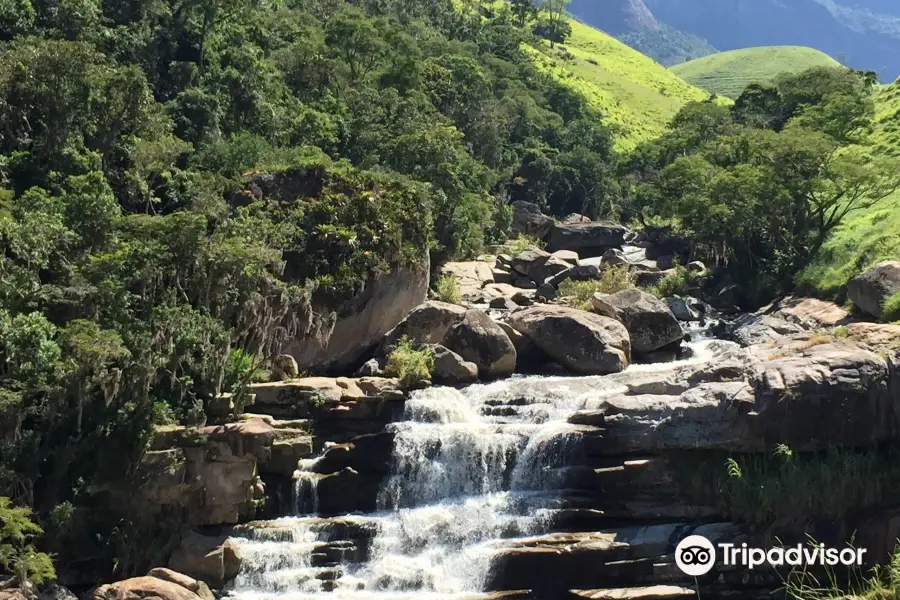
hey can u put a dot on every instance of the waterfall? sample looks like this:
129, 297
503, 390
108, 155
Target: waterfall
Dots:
471, 469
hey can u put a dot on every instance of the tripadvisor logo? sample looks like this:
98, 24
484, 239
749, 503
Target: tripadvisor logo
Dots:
695, 556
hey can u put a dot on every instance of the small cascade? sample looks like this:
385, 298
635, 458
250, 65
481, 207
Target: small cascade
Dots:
470, 470
306, 488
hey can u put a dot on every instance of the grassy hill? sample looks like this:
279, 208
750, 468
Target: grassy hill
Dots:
728, 73
869, 236
637, 95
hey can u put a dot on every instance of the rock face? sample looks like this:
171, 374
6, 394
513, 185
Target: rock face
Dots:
650, 323
593, 237
363, 320
528, 220
478, 339
215, 561
580, 341
872, 289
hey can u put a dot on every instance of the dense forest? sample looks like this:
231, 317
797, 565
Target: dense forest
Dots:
140, 278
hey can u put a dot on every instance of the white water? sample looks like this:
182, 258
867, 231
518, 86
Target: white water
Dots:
470, 468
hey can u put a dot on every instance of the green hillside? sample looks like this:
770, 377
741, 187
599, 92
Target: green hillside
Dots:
637, 95
728, 73
869, 236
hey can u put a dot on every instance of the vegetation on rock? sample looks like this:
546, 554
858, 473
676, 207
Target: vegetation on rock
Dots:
409, 365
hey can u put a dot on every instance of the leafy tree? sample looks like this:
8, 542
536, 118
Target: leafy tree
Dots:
555, 26
17, 552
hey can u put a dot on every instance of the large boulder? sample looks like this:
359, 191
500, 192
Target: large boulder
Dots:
582, 342
527, 219
538, 265
478, 339
362, 320
425, 324
591, 236
872, 289
139, 588
451, 368
650, 323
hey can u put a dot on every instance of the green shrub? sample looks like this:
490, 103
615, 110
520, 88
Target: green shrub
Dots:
676, 284
446, 288
612, 280
525, 242
17, 552
892, 308
409, 365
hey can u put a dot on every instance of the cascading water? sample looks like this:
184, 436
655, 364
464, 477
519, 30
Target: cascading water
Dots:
470, 469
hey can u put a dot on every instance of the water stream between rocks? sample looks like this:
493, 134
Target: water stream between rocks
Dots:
471, 469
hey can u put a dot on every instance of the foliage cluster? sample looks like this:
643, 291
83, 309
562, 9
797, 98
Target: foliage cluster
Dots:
409, 365
447, 289
178, 179
612, 279
761, 185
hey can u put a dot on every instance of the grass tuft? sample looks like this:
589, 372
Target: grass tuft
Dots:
892, 308
612, 279
447, 289
676, 284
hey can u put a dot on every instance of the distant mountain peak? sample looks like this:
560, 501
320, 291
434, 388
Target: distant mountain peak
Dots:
620, 16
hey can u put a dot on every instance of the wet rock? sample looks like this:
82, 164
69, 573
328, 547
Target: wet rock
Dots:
478, 339
527, 219
873, 288
586, 236
451, 368
538, 265
425, 324
503, 303
650, 323
685, 309
580, 341
751, 329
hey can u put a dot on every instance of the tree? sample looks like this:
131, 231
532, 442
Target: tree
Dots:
356, 40
524, 10
556, 28
17, 552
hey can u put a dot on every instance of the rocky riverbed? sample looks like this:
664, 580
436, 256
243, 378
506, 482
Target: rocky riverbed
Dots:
557, 453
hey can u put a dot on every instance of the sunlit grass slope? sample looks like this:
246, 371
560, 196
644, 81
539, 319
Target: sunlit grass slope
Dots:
866, 237
637, 95
728, 73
